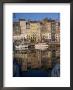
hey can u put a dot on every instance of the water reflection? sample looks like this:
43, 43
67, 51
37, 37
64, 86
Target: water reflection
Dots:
34, 58
36, 61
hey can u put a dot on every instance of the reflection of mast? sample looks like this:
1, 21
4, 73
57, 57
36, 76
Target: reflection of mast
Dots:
53, 29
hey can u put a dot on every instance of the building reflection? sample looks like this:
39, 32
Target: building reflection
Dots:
35, 59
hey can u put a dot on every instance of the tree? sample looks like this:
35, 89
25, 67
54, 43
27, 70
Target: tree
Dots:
45, 19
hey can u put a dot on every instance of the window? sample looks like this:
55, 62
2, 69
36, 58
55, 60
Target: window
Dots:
16, 28
27, 25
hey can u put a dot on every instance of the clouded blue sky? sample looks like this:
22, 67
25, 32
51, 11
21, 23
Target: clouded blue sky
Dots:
36, 16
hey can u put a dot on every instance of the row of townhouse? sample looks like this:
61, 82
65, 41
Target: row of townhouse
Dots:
36, 31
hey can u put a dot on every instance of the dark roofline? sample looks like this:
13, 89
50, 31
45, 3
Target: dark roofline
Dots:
34, 21
22, 20
15, 22
49, 20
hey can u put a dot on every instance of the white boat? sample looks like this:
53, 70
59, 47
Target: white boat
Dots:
41, 46
21, 47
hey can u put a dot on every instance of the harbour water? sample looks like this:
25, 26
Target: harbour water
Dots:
35, 62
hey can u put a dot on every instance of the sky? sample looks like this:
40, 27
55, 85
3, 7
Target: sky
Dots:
36, 16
